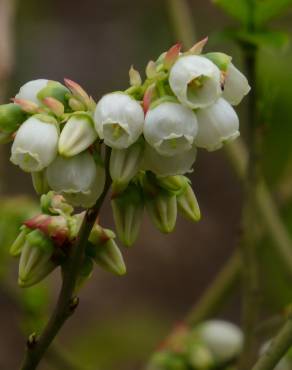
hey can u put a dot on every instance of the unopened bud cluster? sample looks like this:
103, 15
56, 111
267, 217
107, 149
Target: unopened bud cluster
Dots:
152, 131
45, 241
213, 344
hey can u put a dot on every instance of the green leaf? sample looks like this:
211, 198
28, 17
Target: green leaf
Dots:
269, 9
238, 9
273, 39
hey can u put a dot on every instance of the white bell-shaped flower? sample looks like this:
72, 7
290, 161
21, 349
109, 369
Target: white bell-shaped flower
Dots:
217, 124
195, 81
224, 339
168, 166
77, 135
118, 120
170, 128
30, 90
236, 85
79, 179
36, 144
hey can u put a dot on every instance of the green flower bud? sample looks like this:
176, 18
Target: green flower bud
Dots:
40, 183
55, 204
85, 272
11, 117
19, 242
188, 204
125, 164
55, 90
105, 251
127, 211
162, 210
36, 259
175, 184
200, 357
221, 60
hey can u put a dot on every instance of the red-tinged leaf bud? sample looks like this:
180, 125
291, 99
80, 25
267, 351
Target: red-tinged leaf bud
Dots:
147, 99
151, 69
76, 105
55, 204
198, 47
26, 105
54, 105
78, 92
172, 55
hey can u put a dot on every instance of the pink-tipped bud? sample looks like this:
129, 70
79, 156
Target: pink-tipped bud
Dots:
198, 47
76, 104
172, 55
78, 91
54, 105
147, 99
26, 105
135, 77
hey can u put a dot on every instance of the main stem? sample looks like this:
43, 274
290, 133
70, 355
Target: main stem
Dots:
66, 302
251, 296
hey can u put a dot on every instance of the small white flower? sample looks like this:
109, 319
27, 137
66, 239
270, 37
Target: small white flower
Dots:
168, 166
30, 90
118, 120
195, 81
170, 128
35, 145
223, 338
79, 179
236, 85
77, 135
217, 124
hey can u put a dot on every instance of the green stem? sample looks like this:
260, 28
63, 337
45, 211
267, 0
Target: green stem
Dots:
278, 348
66, 303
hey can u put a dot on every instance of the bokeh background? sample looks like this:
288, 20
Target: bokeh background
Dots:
121, 320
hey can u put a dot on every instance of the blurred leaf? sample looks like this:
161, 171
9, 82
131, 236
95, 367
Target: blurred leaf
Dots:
269, 9
238, 9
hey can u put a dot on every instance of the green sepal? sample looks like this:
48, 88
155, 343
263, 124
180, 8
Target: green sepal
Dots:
55, 90
221, 60
174, 184
37, 239
11, 117
16, 247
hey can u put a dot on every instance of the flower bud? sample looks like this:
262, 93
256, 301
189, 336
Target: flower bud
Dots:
105, 250
161, 205
125, 164
188, 204
119, 120
35, 144
217, 124
30, 90
55, 204
54, 89
224, 339
167, 360
36, 259
79, 179
221, 60
236, 85
168, 166
170, 128
40, 183
77, 135
175, 184
200, 357
195, 81
128, 211
19, 242
11, 117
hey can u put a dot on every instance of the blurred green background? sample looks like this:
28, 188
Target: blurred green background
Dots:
120, 321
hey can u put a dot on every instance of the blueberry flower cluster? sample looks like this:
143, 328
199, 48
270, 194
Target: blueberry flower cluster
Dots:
145, 138
213, 344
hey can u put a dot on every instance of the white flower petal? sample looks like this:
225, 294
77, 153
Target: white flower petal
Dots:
35, 145
195, 81
119, 120
30, 90
217, 124
168, 166
236, 85
170, 128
